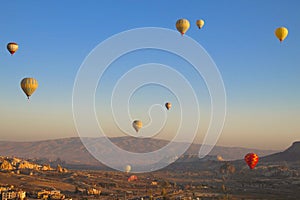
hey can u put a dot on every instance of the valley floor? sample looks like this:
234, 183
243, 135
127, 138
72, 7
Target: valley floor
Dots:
165, 184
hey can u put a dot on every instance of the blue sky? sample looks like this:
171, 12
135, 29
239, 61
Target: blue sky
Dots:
261, 75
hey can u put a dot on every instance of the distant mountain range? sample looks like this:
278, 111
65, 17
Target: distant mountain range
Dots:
292, 154
73, 152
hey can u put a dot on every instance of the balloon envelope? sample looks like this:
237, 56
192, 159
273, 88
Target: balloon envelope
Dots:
168, 105
132, 178
127, 168
200, 23
137, 125
12, 47
182, 25
251, 159
281, 33
29, 85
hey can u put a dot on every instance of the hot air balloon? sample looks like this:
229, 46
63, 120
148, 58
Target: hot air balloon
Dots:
200, 23
137, 125
132, 178
127, 168
182, 25
12, 47
251, 160
281, 33
29, 85
220, 158
168, 105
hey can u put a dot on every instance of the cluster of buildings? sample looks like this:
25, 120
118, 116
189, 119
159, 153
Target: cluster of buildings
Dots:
9, 193
89, 191
53, 194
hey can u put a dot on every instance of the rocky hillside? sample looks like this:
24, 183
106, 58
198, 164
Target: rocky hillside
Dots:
292, 154
17, 164
12, 163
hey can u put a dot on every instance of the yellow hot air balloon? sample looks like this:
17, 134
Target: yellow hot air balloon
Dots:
137, 125
12, 47
281, 33
168, 105
127, 168
29, 85
200, 23
182, 25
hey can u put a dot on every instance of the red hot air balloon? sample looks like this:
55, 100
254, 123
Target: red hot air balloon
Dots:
251, 160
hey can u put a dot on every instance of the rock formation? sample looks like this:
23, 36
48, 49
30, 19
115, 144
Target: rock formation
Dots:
46, 168
5, 165
60, 169
27, 165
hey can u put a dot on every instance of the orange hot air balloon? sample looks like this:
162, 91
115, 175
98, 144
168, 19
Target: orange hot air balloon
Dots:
251, 160
137, 125
168, 105
132, 178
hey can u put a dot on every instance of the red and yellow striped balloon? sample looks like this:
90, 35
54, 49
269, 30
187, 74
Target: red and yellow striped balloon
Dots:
251, 160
